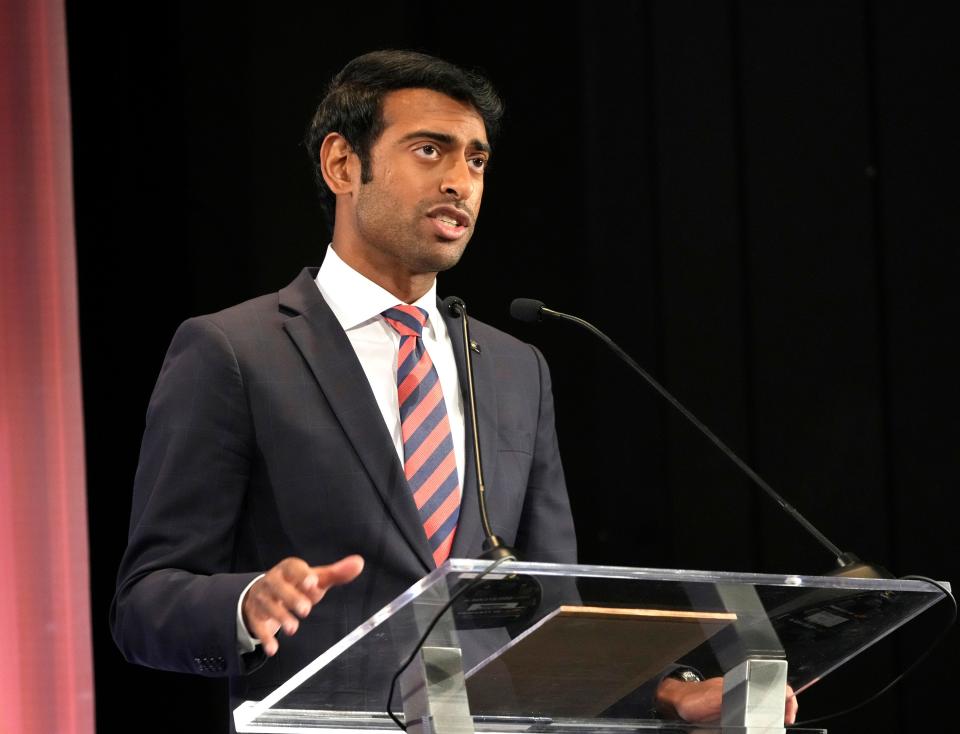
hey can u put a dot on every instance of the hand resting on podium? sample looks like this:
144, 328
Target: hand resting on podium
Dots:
699, 702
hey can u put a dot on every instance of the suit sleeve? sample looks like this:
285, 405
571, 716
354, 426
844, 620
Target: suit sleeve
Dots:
546, 531
176, 598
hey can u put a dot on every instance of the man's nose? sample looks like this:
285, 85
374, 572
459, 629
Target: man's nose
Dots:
458, 180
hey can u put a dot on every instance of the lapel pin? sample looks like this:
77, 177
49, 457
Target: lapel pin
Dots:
474, 346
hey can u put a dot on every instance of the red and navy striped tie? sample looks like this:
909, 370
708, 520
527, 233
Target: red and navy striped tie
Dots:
429, 463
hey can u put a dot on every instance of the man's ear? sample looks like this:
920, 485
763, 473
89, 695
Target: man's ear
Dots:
339, 164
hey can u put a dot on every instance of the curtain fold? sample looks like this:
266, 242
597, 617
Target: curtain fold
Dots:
46, 680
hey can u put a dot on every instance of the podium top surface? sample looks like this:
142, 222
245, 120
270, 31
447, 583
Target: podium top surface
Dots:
535, 637
470, 565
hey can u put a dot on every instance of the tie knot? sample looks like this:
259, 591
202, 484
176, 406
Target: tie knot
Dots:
406, 320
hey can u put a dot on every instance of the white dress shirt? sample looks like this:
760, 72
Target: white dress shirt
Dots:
357, 303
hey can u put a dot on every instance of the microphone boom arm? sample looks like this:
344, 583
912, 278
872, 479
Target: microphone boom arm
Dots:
843, 559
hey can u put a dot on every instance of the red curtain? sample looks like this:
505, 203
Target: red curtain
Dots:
46, 677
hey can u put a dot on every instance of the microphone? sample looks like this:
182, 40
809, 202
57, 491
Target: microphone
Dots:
493, 546
495, 601
530, 310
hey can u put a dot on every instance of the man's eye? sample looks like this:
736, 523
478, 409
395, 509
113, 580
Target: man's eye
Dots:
428, 150
479, 163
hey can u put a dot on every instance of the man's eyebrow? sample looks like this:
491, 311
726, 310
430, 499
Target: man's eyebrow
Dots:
481, 146
444, 138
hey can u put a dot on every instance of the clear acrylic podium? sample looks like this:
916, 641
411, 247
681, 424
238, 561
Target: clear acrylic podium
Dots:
562, 648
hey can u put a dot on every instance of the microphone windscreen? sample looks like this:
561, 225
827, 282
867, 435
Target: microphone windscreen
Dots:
455, 306
526, 309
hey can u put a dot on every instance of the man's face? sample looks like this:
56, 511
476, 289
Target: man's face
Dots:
418, 211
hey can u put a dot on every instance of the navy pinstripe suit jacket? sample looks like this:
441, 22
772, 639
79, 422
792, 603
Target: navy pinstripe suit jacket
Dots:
263, 440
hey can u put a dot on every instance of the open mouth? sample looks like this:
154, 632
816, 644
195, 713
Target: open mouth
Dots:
450, 215
449, 222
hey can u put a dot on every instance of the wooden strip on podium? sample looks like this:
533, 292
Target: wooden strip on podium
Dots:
578, 661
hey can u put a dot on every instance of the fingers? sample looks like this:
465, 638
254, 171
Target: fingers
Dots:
269, 604
263, 627
287, 593
791, 708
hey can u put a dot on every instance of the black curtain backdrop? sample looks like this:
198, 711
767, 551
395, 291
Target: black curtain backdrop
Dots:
756, 199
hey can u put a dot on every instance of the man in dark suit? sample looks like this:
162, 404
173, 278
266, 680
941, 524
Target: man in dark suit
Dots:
312, 444
273, 461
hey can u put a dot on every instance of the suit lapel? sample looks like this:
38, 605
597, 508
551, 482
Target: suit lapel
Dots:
331, 358
468, 542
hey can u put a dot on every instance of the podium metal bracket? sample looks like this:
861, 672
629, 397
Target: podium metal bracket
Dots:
435, 693
753, 696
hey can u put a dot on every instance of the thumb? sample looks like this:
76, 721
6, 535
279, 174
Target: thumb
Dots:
342, 572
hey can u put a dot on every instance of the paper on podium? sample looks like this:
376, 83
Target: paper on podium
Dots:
579, 660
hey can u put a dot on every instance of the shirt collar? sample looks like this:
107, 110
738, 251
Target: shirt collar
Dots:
356, 301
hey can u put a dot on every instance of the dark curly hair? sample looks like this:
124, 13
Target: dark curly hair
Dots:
353, 104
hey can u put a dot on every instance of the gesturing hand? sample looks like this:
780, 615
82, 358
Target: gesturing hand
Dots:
288, 591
